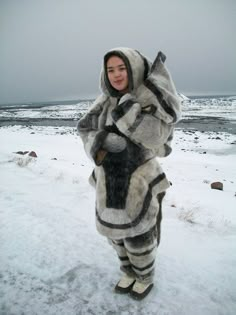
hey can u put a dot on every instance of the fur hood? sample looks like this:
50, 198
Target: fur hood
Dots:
149, 83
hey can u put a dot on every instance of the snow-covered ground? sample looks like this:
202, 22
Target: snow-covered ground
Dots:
224, 107
73, 111
53, 261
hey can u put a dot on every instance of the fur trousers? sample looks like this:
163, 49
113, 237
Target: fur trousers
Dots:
137, 254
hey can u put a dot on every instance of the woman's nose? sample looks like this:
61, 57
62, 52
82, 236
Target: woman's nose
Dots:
117, 73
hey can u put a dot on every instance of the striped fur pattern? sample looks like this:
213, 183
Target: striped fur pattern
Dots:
128, 182
137, 254
138, 261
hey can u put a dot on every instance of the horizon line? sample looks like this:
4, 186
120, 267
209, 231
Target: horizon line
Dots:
187, 94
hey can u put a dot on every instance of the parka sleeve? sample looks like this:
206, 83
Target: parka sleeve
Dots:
88, 129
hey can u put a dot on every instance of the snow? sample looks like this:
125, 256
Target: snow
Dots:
183, 97
73, 111
52, 259
224, 107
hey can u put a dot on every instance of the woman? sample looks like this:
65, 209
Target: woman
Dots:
128, 126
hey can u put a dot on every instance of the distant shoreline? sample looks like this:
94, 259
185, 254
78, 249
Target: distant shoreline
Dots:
71, 102
194, 97
200, 123
42, 104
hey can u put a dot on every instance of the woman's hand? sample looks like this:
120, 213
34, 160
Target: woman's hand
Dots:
100, 156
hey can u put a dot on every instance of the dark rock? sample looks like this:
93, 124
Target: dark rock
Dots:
217, 185
25, 152
54, 159
20, 152
33, 154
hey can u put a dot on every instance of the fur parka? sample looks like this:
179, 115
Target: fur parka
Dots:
127, 182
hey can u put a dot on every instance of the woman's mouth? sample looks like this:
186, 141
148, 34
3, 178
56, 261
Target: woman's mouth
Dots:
118, 81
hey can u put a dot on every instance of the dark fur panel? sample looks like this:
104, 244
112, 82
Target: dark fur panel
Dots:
149, 109
144, 253
159, 217
171, 136
143, 212
88, 122
137, 122
168, 150
94, 176
148, 275
118, 169
113, 128
117, 176
146, 65
118, 242
123, 258
122, 109
146, 68
143, 240
160, 99
157, 180
159, 58
145, 267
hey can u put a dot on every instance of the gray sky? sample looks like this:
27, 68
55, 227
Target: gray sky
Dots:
53, 49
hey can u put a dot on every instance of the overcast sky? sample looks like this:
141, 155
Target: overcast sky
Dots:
53, 49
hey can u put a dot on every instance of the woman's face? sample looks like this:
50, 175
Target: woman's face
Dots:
117, 74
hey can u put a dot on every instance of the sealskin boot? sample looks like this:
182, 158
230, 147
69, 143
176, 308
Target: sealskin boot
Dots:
140, 290
125, 284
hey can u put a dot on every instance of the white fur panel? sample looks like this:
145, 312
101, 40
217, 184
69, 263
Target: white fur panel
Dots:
138, 188
152, 131
126, 121
100, 188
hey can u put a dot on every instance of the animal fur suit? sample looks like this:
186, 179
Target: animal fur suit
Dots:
124, 135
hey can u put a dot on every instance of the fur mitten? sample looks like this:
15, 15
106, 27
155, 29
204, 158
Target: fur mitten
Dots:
114, 143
